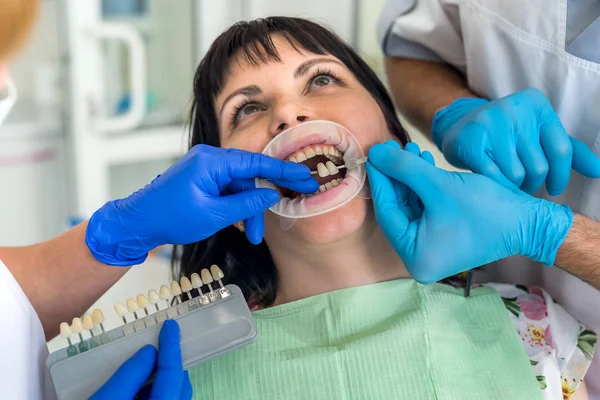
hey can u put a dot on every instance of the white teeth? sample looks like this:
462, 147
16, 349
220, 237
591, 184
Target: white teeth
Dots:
300, 157
65, 330
88, 323
97, 316
132, 306
120, 309
76, 326
336, 182
216, 272
206, 276
141, 300
153, 296
322, 188
319, 150
175, 289
185, 283
325, 150
331, 168
322, 170
196, 281
310, 153
293, 159
328, 185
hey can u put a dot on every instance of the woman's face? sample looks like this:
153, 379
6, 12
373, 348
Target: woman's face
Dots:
259, 102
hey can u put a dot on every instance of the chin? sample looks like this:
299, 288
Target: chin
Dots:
323, 229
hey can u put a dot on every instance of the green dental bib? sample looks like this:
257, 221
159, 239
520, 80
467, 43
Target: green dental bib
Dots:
391, 340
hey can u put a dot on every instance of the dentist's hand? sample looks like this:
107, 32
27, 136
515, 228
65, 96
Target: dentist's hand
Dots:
170, 382
466, 220
207, 190
518, 141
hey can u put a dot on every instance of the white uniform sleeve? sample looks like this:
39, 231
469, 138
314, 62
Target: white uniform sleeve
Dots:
422, 29
22, 344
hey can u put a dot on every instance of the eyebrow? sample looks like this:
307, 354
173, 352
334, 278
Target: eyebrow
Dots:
305, 66
253, 90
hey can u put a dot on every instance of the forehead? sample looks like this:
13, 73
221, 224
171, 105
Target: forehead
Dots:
256, 63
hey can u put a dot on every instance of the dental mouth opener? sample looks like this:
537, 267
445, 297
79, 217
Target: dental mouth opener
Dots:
349, 164
212, 322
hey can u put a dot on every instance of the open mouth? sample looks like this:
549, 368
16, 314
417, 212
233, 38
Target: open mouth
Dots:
323, 146
323, 158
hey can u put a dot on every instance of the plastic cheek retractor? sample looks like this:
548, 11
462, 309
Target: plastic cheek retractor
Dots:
306, 135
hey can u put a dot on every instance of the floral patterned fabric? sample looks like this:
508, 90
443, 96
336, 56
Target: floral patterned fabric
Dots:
559, 348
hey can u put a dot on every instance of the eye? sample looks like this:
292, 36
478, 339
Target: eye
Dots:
322, 80
245, 110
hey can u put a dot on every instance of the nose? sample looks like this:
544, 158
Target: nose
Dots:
288, 116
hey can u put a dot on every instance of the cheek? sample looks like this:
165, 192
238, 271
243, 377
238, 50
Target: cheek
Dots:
254, 141
361, 114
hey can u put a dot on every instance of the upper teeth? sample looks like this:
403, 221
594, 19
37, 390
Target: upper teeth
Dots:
326, 150
327, 169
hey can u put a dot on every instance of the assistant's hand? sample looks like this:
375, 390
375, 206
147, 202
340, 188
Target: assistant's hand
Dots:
207, 190
170, 382
466, 220
518, 141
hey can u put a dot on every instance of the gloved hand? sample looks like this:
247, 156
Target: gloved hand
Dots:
466, 220
170, 381
518, 141
207, 190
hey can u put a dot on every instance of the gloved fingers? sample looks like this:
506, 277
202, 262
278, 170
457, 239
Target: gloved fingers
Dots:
405, 167
307, 186
559, 152
393, 143
414, 204
169, 371
427, 156
387, 204
130, 377
507, 160
244, 165
255, 228
411, 147
246, 204
484, 165
186, 387
535, 163
584, 160
406, 200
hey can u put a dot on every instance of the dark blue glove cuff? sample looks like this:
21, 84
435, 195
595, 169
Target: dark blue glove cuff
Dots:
446, 117
110, 240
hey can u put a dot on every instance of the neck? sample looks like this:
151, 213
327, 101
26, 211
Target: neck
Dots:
363, 258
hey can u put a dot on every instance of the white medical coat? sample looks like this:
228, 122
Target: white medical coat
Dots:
23, 350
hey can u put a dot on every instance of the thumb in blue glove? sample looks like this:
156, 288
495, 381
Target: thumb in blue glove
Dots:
518, 141
170, 381
467, 220
207, 190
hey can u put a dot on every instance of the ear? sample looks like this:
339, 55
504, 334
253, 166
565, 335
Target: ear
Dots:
240, 226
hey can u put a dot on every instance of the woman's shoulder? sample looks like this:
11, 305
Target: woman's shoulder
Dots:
558, 346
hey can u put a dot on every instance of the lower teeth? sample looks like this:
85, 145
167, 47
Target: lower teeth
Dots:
323, 188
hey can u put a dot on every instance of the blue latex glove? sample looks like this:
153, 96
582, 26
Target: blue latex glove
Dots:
170, 381
465, 220
518, 141
207, 190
